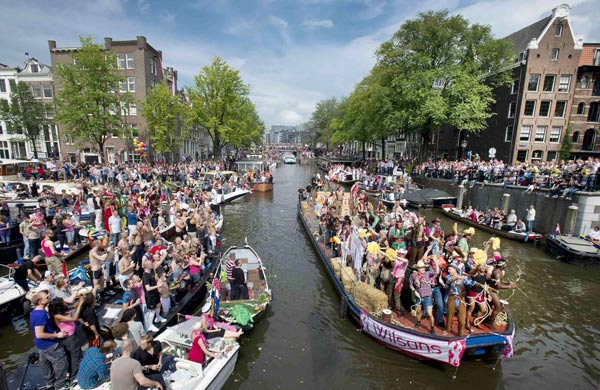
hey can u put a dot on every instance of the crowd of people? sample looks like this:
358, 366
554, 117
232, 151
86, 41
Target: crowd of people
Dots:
498, 219
562, 178
442, 269
133, 262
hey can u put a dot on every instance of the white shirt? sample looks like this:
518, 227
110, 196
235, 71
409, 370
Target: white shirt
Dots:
115, 223
531, 215
595, 235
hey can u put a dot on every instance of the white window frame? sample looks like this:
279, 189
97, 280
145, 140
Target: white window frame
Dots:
533, 158
585, 82
554, 54
131, 84
561, 84
537, 84
553, 82
69, 139
549, 108
39, 88
508, 134
524, 133
129, 57
555, 134
514, 88
540, 130
525, 107
122, 86
564, 104
526, 154
132, 109
121, 61
44, 91
512, 109
558, 31
3, 86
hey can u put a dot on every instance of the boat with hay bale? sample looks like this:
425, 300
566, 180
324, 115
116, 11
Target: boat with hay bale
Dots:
369, 307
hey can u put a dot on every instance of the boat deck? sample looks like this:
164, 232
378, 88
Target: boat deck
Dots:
579, 245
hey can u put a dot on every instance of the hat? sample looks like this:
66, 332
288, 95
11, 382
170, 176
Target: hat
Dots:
373, 248
455, 254
435, 220
391, 254
206, 307
454, 265
473, 250
479, 257
421, 264
470, 231
48, 274
362, 233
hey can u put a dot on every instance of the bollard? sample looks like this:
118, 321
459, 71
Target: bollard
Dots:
505, 202
461, 196
571, 219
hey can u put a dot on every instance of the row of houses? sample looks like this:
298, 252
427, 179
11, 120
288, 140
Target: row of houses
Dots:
140, 67
555, 87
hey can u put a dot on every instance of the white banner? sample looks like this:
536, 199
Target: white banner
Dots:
447, 351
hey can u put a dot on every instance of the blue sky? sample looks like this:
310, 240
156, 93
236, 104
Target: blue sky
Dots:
292, 53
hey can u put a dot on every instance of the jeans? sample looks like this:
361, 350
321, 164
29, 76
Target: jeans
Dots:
530, 226
438, 301
54, 365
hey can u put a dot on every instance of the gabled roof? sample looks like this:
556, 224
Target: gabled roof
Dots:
520, 39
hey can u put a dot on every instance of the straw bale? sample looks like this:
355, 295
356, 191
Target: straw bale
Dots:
347, 278
370, 298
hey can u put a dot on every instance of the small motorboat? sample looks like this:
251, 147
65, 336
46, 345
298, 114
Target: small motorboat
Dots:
289, 159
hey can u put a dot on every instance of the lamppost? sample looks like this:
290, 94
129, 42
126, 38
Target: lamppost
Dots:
463, 145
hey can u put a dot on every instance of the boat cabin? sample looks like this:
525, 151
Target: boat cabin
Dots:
10, 169
243, 166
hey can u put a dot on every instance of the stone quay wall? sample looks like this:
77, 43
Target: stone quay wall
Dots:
549, 211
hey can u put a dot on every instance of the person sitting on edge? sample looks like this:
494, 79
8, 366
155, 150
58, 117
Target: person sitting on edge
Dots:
126, 373
93, 370
520, 226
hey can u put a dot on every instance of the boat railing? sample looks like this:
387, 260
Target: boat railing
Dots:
10, 271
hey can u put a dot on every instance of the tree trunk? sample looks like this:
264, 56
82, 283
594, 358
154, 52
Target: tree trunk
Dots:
364, 151
35, 152
383, 148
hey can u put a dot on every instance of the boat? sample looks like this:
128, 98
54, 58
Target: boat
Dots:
11, 295
237, 193
243, 166
398, 332
176, 341
451, 212
572, 249
428, 198
256, 280
324, 163
289, 159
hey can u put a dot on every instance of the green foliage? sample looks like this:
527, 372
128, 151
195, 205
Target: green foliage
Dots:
322, 119
89, 104
25, 115
165, 115
565, 147
220, 103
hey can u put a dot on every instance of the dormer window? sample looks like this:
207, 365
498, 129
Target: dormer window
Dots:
35, 68
559, 29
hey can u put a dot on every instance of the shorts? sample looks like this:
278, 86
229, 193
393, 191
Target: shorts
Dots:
210, 335
477, 297
152, 300
424, 301
97, 274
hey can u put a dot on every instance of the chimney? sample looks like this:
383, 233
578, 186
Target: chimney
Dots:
562, 11
51, 45
141, 42
107, 43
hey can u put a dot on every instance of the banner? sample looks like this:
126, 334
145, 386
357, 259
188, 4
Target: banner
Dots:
508, 350
447, 351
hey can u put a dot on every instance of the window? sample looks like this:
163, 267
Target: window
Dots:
512, 109
18, 149
554, 56
563, 83
529, 108
35, 68
589, 140
509, 134
69, 140
545, 107
1, 130
47, 91
555, 134
558, 31
131, 84
549, 83
552, 155
540, 133
36, 91
534, 80
132, 109
522, 155
49, 111
122, 86
580, 108
152, 83
2, 85
152, 64
594, 112
597, 57
575, 138
537, 155
585, 82
559, 108
525, 133
129, 60
514, 88
439, 83
121, 61
4, 149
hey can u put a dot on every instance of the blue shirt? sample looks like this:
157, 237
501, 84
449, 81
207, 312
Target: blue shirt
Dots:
92, 369
41, 318
132, 219
458, 286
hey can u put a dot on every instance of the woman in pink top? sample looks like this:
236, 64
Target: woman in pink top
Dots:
67, 323
199, 349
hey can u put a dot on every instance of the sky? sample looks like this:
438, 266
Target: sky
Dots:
292, 53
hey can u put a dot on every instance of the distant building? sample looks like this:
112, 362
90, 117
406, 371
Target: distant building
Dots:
288, 135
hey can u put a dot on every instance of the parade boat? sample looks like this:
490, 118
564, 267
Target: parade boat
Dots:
11, 295
243, 166
572, 249
398, 332
428, 198
324, 163
189, 375
242, 312
289, 159
451, 212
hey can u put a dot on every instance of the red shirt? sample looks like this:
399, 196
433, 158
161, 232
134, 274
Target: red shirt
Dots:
196, 353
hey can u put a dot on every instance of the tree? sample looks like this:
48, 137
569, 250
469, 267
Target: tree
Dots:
25, 115
89, 104
322, 118
439, 70
220, 103
566, 145
166, 119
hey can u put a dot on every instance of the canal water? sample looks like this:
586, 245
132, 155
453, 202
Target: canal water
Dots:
302, 342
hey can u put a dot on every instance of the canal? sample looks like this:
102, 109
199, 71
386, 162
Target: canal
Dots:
302, 342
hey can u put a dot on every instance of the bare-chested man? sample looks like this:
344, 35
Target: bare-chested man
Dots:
97, 256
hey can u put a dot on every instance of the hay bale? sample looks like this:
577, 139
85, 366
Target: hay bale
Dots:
347, 276
335, 264
370, 298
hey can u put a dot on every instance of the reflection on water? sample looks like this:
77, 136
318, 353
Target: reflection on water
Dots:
302, 342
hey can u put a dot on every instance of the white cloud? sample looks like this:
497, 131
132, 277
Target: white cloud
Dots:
318, 23
167, 17
143, 6
277, 22
290, 117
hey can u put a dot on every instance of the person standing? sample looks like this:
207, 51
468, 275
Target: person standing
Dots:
530, 218
114, 224
53, 260
47, 340
239, 289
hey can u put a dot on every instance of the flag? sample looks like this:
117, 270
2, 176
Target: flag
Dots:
214, 296
557, 230
354, 189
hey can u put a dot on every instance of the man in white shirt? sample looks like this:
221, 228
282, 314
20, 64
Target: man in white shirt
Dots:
595, 234
530, 218
114, 224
